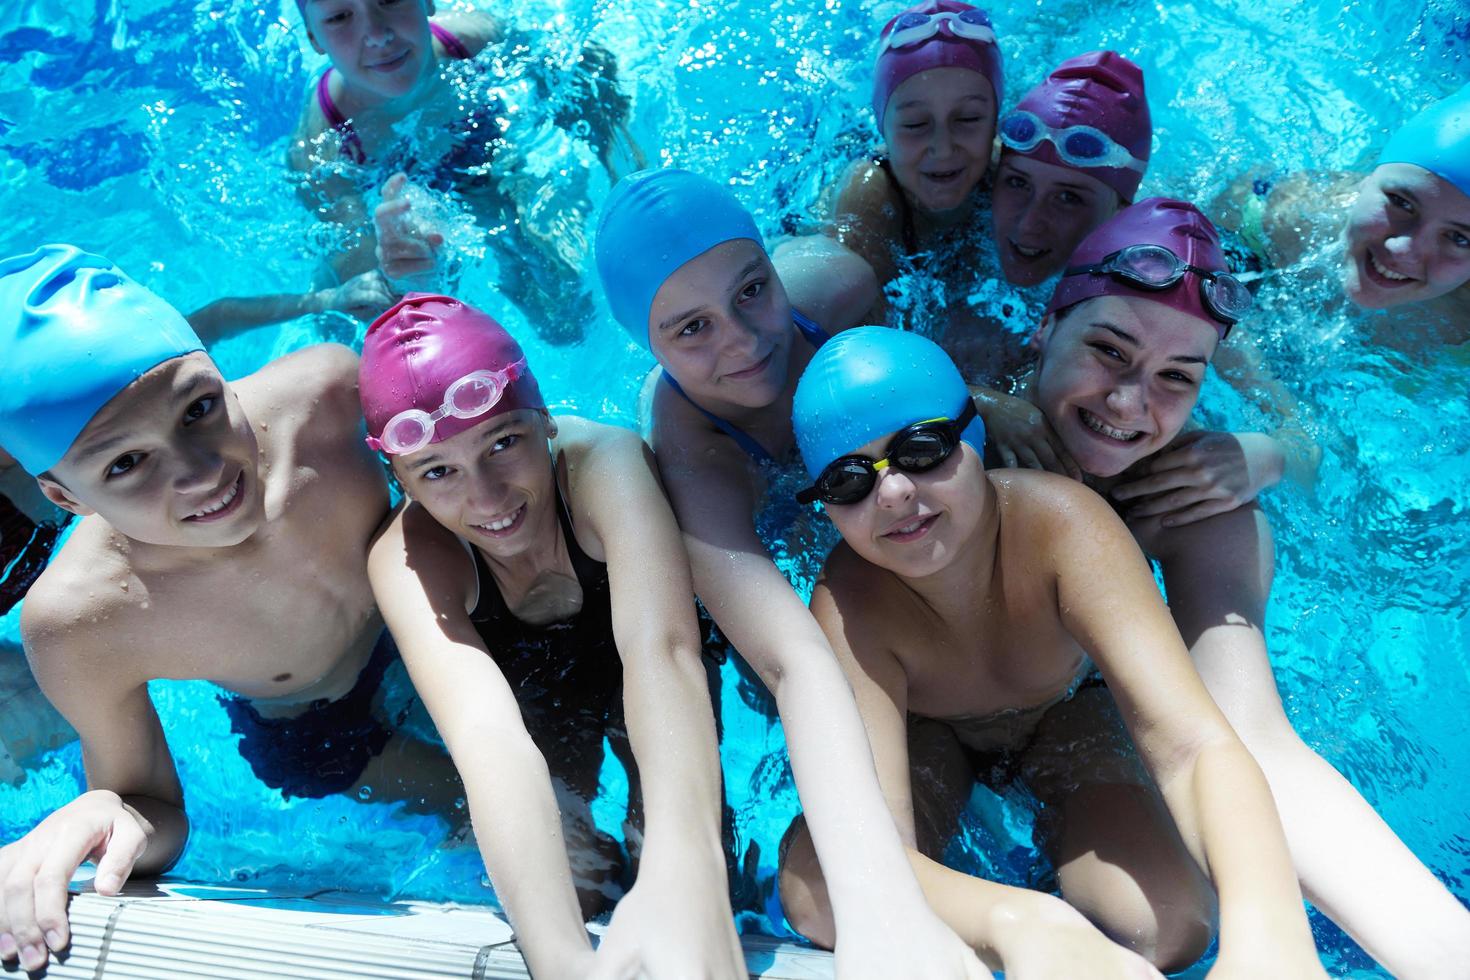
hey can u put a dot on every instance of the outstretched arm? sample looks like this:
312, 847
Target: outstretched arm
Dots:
1212, 786
713, 496
419, 573
1352, 867
363, 296
676, 921
131, 819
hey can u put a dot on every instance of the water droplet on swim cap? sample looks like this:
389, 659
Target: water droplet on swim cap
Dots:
944, 50
868, 382
1437, 139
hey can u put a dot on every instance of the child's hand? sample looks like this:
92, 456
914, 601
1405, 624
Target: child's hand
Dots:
1052, 939
664, 928
363, 296
1202, 474
35, 870
408, 248
1022, 435
919, 947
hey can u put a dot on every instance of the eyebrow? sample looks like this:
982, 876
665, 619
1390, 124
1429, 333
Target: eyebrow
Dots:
748, 268
1182, 359
102, 446
486, 436
972, 97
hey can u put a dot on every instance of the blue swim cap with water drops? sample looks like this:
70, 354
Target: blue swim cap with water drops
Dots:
868, 382
653, 222
1437, 139
74, 331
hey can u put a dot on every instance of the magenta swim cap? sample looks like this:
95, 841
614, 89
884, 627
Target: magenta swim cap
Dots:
945, 49
1101, 89
419, 348
1176, 225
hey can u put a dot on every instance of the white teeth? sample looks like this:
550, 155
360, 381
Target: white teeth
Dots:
1098, 425
1029, 253
224, 502
503, 523
908, 528
1386, 273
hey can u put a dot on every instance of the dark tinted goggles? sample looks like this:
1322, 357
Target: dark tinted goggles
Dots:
917, 449
1154, 267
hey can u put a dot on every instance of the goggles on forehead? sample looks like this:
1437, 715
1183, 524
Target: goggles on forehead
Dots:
1155, 268
916, 28
916, 449
1078, 146
472, 395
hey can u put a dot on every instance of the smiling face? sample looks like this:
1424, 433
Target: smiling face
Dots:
1041, 212
1118, 377
915, 524
171, 460
939, 126
382, 48
1408, 238
721, 326
492, 484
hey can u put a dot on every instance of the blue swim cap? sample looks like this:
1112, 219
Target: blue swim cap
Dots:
1438, 139
653, 222
868, 382
74, 331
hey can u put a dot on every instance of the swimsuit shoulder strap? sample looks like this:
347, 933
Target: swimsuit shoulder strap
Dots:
810, 329
905, 213
588, 569
350, 141
742, 439
453, 46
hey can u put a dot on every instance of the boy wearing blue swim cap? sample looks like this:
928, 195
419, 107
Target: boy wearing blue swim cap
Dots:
685, 273
968, 610
223, 536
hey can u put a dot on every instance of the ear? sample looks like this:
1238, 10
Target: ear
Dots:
1043, 333
62, 497
315, 44
428, 8
550, 424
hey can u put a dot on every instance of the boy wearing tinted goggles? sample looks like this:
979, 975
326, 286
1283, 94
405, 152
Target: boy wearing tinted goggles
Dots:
918, 448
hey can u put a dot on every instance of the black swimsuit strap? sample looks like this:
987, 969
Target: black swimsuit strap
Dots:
905, 211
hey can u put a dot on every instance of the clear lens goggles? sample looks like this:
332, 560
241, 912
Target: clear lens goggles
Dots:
1154, 268
917, 449
474, 394
1078, 146
916, 28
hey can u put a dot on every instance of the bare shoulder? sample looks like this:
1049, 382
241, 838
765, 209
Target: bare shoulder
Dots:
585, 440
865, 194
677, 429
322, 377
862, 597
1044, 510
474, 28
78, 609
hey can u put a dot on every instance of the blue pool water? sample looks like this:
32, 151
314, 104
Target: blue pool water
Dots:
156, 134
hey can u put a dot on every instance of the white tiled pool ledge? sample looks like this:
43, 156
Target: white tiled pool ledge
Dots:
170, 929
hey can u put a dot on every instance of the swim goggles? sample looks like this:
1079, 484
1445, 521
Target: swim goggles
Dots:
916, 28
917, 449
474, 394
1155, 268
1078, 146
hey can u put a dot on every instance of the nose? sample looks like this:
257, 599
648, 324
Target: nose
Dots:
487, 492
941, 141
1032, 224
378, 29
200, 470
1128, 399
1400, 246
895, 488
741, 335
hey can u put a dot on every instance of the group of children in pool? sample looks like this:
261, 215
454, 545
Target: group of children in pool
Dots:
978, 620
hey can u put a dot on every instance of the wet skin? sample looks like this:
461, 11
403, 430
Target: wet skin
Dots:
1041, 213
383, 49
1407, 238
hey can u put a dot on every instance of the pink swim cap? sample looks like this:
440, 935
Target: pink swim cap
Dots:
1176, 225
944, 50
1101, 89
424, 344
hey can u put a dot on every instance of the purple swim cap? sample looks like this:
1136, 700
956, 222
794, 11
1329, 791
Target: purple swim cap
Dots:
1176, 225
1101, 89
419, 348
944, 50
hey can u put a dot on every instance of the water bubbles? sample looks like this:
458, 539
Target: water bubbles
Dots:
365, 793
